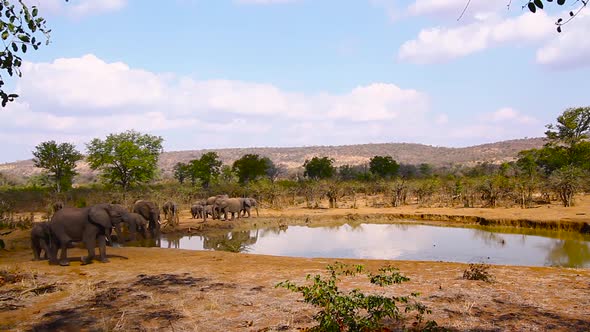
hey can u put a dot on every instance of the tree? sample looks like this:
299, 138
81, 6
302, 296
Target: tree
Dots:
319, 168
273, 172
20, 29
181, 171
383, 166
59, 160
127, 158
205, 169
565, 182
250, 167
572, 127
533, 5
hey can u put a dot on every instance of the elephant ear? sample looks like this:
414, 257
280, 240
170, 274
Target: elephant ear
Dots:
247, 203
99, 215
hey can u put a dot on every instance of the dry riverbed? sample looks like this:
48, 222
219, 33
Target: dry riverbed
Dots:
149, 289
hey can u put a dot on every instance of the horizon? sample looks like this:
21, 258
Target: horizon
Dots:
319, 146
250, 73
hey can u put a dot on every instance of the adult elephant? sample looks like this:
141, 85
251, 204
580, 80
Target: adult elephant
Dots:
151, 212
212, 201
231, 206
40, 240
85, 225
135, 223
249, 203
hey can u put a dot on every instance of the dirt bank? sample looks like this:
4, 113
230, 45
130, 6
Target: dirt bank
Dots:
153, 289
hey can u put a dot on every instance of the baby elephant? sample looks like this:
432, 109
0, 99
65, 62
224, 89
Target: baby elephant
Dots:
40, 240
197, 211
135, 223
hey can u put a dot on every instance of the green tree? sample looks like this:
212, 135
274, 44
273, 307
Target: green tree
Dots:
205, 169
319, 168
127, 158
383, 166
572, 127
181, 171
21, 28
250, 167
59, 160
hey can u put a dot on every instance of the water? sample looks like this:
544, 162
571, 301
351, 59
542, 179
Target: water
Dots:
402, 242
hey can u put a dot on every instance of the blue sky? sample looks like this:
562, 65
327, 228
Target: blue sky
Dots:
240, 73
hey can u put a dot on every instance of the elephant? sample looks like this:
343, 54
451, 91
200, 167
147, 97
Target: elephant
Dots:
211, 201
40, 240
151, 212
249, 203
197, 211
88, 225
229, 205
135, 223
57, 206
207, 211
170, 210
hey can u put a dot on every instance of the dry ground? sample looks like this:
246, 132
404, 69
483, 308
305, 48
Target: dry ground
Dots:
152, 289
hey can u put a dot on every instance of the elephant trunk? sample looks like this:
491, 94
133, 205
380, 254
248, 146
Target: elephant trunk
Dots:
256, 211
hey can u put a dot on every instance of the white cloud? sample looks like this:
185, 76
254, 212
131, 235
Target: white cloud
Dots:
436, 45
507, 114
501, 124
571, 48
454, 8
78, 8
86, 97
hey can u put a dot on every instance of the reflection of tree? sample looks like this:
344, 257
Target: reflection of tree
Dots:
237, 241
489, 238
569, 253
174, 243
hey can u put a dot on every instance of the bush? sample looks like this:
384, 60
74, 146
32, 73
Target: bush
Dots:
478, 271
357, 311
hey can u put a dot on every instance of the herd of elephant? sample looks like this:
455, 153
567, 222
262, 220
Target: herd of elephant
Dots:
93, 225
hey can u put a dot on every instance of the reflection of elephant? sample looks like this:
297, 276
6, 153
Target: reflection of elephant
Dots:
234, 241
197, 211
212, 201
40, 240
84, 224
135, 223
248, 204
229, 205
151, 212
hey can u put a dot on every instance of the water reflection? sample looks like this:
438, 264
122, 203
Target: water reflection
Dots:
233, 241
570, 253
402, 241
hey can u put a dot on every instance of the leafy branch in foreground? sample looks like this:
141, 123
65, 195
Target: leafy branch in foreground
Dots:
355, 310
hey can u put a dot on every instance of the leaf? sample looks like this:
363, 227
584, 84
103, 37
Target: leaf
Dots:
532, 7
14, 47
24, 48
571, 13
559, 29
539, 4
560, 20
24, 38
5, 35
35, 11
560, 2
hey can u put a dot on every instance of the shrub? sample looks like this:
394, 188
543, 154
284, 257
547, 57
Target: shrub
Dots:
357, 311
478, 271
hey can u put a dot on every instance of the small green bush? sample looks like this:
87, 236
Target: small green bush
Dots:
478, 271
355, 310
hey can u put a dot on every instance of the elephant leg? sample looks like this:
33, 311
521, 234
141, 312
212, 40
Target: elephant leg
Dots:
63, 255
36, 251
90, 242
45, 247
103, 249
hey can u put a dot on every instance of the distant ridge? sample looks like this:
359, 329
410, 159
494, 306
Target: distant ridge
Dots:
294, 157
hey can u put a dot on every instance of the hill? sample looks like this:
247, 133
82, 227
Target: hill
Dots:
294, 157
